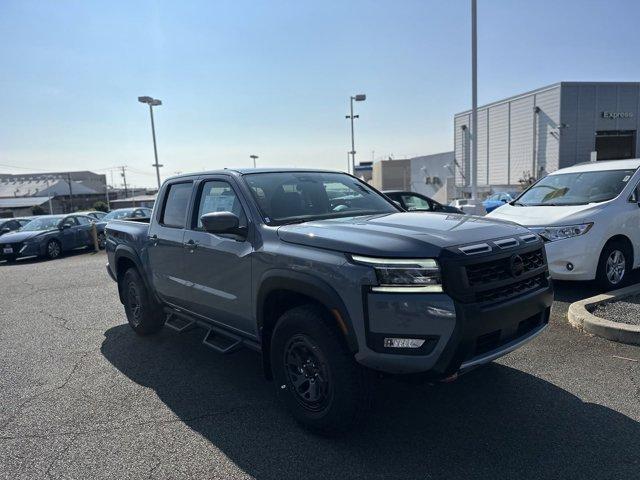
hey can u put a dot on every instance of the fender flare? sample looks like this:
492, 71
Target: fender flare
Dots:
125, 251
310, 286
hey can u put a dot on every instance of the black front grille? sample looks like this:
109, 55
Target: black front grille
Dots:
480, 274
512, 290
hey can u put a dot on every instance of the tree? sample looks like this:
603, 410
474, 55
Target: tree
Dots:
100, 206
38, 210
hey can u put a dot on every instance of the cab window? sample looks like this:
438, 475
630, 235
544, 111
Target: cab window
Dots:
219, 196
176, 205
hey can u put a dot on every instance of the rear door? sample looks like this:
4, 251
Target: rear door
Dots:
165, 242
218, 267
83, 237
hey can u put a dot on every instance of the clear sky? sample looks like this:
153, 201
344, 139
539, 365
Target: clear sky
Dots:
273, 78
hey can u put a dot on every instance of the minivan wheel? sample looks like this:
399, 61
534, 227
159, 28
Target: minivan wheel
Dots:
143, 314
53, 249
315, 375
614, 265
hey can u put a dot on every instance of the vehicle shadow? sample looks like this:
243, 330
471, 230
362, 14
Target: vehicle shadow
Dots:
570, 292
496, 422
32, 260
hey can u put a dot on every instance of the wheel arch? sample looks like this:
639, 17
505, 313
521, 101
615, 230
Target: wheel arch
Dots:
124, 258
282, 290
623, 239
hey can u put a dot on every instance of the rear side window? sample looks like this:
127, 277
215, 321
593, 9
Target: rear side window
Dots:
83, 220
176, 205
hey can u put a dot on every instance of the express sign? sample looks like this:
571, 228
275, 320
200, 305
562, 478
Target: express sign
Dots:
616, 115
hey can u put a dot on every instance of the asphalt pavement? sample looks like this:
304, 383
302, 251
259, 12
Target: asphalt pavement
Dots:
83, 397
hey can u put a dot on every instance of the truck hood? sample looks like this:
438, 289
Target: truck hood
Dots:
546, 216
17, 237
397, 234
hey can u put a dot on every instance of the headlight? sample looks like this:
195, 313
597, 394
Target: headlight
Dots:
404, 275
565, 231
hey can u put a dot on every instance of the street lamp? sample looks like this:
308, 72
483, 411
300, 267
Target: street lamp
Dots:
358, 98
254, 158
153, 102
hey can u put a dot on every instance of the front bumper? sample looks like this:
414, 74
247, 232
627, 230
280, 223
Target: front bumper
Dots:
25, 249
472, 336
581, 252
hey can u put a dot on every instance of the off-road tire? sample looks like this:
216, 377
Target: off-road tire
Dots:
349, 385
143, 313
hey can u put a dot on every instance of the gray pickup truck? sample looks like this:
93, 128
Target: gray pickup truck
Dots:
330, 281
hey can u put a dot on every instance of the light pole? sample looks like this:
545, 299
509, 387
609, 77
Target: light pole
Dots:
254, 158
474, 101
153, 102
358, 98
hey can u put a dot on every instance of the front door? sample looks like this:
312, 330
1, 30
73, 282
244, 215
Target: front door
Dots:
69, 233
165, 243
218, 267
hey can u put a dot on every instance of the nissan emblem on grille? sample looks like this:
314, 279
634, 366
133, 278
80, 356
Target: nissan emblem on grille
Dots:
517, 265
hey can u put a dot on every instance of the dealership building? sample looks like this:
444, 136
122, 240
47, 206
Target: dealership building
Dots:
526, 136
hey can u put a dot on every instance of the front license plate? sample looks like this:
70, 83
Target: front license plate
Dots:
7, 250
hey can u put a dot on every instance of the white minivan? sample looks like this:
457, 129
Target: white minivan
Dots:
589, 217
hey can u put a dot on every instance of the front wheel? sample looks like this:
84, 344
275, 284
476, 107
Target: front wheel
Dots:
315, 374
143, 313
102, 241
53, 249
614, 265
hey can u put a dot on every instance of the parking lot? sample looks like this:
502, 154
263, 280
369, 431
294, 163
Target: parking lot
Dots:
81, 396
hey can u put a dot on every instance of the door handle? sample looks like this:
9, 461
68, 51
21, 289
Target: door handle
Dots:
153, 239
191, 245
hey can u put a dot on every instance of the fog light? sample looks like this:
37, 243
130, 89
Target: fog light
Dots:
569, 266
403, 342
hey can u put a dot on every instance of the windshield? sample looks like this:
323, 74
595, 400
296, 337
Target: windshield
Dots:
577, 188
288, 197
42, 223
115, 214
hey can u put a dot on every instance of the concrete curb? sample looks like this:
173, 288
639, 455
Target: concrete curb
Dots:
583, 320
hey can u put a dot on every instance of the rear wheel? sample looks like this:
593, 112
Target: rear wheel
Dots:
53, 250
614, 265
143, 313
102, 241
315, 374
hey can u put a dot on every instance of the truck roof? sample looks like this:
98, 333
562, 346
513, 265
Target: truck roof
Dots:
246, 171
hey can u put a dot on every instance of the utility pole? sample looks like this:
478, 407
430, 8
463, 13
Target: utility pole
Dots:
474, 101
70, 192
124, 180
49, 197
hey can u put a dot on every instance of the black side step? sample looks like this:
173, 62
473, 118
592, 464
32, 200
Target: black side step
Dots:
221, 341
179, 323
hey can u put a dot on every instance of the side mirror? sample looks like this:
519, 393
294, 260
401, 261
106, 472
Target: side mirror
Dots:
5, 230
221, 222
64, 226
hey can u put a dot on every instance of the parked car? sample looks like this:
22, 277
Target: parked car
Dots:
498, 199
11, 224
328, 288
464, 204
416, 202
121, 213
48, 236
589, 216
98, 215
